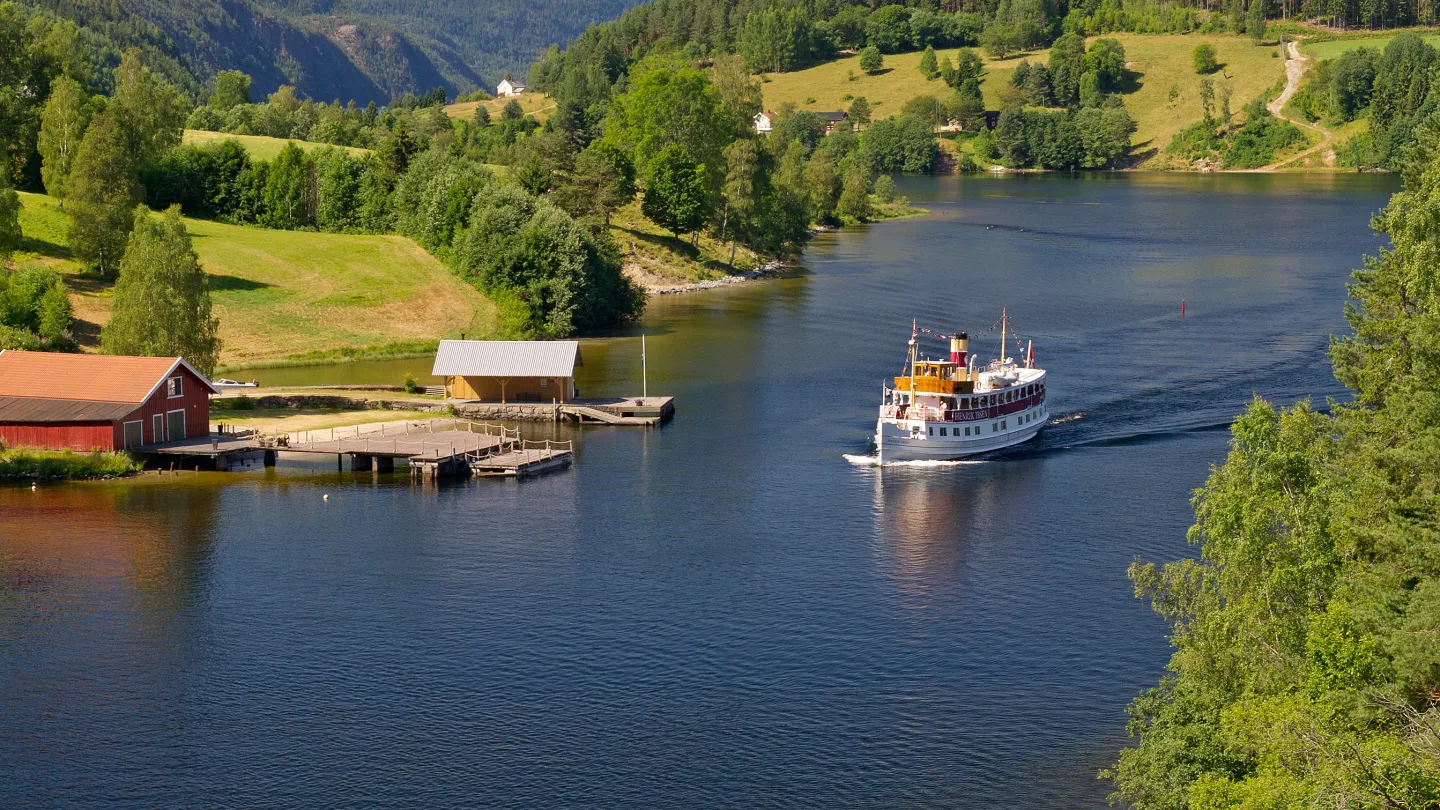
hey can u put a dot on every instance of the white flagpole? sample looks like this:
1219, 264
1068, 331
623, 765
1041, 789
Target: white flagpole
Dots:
644, 372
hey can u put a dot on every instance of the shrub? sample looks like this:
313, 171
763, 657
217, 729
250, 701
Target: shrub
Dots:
410, 384
64, 464
871, 61
1203, 59
885, 189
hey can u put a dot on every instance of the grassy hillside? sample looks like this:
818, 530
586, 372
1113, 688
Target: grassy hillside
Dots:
260, 147
287, 294
1159, 63
536, 104
654, 257
1331, 48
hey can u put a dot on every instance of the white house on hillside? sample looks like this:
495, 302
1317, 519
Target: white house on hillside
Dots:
507, 87
764, 121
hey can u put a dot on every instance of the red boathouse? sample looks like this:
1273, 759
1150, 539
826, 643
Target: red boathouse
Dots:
100, 402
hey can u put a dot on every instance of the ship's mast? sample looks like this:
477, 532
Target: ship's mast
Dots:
1003, 315
914, 335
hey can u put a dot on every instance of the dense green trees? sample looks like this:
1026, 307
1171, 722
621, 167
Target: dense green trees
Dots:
1088, 138
677, 191
554, 276
670, 106
10, 233
104, 190
1248, 146
232, 88
150, 111
1397, 88
1305, 667
904, 144
162, 302
34, 309
62, 125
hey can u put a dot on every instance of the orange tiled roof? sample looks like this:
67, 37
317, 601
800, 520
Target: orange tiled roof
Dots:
89, 377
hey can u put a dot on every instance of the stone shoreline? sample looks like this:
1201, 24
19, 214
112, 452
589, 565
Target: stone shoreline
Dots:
771, 270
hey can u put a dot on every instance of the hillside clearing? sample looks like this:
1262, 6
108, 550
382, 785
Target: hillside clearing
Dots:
1157, 63
654, 257
289, 295
1331, 48
260, 147
536, 104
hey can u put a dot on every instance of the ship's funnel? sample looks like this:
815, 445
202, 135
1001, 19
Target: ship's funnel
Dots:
959, 348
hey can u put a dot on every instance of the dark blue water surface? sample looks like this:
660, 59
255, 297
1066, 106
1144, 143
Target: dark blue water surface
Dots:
725, 612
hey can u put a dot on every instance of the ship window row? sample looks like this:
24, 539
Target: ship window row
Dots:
991, 400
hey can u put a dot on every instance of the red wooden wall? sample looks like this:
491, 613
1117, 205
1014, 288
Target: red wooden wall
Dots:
195, 402
83, 436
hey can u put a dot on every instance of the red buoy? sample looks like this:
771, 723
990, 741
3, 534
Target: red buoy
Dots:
1182, 307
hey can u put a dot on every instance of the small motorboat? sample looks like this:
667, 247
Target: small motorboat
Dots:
224, 384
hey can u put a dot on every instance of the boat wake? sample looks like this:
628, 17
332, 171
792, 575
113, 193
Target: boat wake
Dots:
869, 460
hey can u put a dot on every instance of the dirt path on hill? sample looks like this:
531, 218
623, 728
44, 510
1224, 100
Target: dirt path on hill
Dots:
1296, 66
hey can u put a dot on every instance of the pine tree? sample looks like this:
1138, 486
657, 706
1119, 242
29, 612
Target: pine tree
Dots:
860, 111
929, 66
162, 301
103, 193
62, 125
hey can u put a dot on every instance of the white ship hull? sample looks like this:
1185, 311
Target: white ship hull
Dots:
913, 440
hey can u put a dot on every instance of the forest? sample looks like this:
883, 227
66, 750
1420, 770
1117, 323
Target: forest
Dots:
1397, 90
519, 208
1306, 671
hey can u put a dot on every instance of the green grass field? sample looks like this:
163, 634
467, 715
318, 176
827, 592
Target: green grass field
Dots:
1331, 48
290, 294
260, 147
1158, 63
536, 104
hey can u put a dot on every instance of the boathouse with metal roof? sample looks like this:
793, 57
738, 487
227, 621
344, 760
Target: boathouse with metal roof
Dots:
100, 402
508, 370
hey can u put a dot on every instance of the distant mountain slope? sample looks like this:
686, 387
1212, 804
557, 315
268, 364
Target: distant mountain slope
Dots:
326, 57
489, 35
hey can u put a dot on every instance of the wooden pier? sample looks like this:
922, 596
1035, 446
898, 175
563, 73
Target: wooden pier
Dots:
634, 411
431, 449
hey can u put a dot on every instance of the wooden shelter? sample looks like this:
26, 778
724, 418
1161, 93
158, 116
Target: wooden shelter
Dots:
508, 370
100, 402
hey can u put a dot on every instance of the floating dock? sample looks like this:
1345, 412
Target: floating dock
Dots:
430, 450
529, 458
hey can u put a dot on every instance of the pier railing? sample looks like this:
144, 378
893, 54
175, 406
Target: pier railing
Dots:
548, 445
388, 430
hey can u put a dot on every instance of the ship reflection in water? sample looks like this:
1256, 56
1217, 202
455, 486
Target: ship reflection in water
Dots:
931, 516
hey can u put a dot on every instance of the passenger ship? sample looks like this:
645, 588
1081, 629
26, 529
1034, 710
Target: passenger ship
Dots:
948, 409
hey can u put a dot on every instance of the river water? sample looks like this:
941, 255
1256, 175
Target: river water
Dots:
727, 611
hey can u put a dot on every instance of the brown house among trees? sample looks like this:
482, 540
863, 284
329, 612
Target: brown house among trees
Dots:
100, 402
